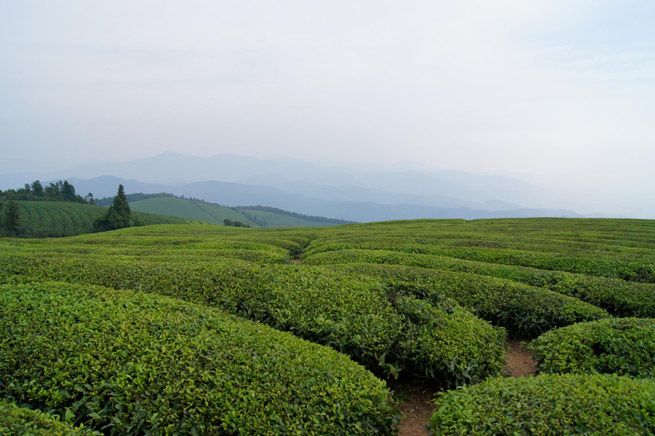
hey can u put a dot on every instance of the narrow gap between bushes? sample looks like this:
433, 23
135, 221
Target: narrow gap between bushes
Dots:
416, 397
519, 361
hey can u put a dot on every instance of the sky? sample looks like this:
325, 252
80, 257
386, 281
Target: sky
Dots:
560, 92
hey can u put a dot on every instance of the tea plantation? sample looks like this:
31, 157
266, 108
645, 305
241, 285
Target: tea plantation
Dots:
201, 329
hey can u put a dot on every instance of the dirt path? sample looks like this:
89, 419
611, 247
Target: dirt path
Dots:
416, 407
417, 397
519, 361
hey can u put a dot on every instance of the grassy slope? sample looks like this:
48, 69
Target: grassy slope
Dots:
190, 209
216, 214
269, 217
58, 218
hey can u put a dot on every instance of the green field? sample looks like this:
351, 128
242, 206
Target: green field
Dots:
197, 210
433, 299
59, 218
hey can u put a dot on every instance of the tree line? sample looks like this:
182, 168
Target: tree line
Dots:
118, 214
55, 191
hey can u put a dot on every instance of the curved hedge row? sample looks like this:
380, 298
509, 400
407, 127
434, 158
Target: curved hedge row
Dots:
624, 346
619, 297
549, 405
524, 311
16, 420
357, 317
129, 362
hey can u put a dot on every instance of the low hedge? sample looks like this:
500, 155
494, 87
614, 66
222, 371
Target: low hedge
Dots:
448, 342
125, 362
624, 346
549, 405
618, 297
526, 312
354, 315
16, 420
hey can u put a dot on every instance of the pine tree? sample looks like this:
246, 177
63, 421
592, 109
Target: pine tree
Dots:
68, 191
118, 215
10, 218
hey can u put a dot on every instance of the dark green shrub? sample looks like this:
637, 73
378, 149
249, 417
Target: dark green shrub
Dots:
524, 311
625, 346
16, 420
354, 316
125, 362
449, 344
618, 297
549, 405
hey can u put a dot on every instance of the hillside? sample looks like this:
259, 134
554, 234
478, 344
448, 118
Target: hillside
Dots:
58, 218
197, 210
350, 203
273, 217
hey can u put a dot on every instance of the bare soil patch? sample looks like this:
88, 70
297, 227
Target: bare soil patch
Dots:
519, 361
416, 406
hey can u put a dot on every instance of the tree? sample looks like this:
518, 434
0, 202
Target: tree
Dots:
89, 198
10, 218
118, 215
37, 188
54, 190
68, 192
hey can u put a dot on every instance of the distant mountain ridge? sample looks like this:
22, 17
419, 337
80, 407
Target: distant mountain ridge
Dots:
237, 194
320, 190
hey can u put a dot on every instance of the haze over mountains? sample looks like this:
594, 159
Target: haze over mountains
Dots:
313, 189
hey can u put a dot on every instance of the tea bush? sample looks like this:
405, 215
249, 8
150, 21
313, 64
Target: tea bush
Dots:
619, 297
16, 420
131, 363
350, 315
624, 346
523, 310
549, 405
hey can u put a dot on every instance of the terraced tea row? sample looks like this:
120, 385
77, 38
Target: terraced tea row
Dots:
389, 332
429, 298
130, 363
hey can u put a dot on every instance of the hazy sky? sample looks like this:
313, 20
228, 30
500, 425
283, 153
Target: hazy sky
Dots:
561, 91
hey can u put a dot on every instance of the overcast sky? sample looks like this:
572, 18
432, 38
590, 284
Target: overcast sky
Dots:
560, 91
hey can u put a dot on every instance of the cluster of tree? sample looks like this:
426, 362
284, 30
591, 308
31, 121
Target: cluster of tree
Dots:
118, 215
9, 217
234, 223
55, 191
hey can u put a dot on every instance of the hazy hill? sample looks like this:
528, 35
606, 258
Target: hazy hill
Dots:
360, 184
322, 204
254, 216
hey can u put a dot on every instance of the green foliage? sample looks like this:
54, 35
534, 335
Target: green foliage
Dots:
231, 223
619, 297
438, 337
549, 405
118, 215
354, 316
166, 204
56, 191
59, 218
125, 362
37, 188
273, 217
198, 210
10, 218
625, 346
524, 311
16, 420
